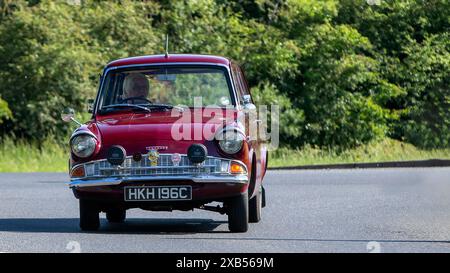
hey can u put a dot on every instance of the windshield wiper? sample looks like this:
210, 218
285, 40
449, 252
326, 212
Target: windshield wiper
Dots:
165, 106
125, 105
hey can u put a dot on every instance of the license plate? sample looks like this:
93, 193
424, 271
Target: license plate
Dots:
158, 193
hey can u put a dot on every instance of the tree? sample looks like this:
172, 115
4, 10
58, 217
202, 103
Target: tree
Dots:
426, 70
52, 53
340, 88
345, 72
5, 113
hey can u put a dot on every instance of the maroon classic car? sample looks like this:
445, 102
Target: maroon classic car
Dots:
168, 132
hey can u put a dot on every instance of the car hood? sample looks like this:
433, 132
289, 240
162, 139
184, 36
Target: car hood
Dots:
137, 132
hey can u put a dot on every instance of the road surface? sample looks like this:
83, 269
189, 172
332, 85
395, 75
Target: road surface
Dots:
362, 210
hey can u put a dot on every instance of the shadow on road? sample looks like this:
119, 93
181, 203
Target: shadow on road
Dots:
318, 240
131, 226
161, 226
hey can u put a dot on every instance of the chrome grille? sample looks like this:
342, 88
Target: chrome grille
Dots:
130, 167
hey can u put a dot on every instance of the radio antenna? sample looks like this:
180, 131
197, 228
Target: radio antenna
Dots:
167, 46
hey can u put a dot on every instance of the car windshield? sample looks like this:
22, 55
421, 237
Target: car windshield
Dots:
165, 87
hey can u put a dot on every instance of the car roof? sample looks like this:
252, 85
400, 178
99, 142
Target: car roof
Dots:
172, 58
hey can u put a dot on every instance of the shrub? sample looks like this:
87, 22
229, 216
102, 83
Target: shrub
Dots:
51, 54
426, 119
340, 89
5, 113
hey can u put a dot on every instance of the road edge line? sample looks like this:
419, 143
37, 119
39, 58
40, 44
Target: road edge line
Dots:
386, 164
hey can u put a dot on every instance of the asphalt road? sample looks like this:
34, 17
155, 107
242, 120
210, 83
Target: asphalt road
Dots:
386, 210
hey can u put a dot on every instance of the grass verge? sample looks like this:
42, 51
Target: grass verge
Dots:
21, 156
385, 150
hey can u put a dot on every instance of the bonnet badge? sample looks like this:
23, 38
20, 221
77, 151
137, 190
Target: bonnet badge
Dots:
153, 154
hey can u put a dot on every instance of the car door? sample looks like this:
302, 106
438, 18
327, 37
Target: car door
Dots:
255, 143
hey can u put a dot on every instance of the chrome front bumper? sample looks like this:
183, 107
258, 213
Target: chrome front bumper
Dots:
108, 181
213, 170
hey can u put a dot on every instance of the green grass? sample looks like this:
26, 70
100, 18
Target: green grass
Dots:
385, 150
20, 156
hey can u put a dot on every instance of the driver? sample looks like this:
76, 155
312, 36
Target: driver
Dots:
135, 87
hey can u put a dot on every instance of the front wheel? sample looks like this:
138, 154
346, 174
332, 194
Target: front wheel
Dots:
238, 213
89, 215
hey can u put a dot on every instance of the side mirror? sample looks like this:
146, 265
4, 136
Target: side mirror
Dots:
68, 115
248, 105
90, 106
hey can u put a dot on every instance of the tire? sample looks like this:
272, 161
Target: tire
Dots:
238, 213
263, 197
116, 215
89, 216
255, 207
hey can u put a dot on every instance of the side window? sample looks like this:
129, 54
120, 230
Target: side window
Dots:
244, 85
237, 83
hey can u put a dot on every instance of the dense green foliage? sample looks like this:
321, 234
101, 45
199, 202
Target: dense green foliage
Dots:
51, 55
5, 113
344, 72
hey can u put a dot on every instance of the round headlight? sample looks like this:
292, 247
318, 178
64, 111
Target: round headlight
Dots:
83, 145
231, 142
